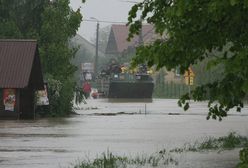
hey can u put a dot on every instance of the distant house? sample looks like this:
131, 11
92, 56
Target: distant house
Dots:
20, 77
118, 43
85, 54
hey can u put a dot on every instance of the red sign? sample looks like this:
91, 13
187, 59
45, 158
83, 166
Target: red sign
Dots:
9, 99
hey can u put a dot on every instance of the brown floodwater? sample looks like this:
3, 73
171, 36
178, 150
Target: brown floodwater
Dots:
122, 128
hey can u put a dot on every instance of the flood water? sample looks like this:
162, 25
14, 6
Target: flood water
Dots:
136, 129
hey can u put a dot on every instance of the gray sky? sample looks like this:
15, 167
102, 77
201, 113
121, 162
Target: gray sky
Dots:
103, 10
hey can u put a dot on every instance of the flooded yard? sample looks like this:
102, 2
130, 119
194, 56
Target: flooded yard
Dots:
122, 128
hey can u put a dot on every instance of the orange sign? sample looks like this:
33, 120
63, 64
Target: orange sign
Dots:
189, 76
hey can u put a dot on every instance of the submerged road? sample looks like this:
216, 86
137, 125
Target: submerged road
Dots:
122, 128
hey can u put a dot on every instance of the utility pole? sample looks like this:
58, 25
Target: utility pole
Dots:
97, 39
96, 58
141, 33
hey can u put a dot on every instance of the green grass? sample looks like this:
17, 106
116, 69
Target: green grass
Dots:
231, 141
109, 160
164, 158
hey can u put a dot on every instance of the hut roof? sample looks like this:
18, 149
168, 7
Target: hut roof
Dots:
18, 58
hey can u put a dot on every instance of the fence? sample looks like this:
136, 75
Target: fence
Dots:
170, 90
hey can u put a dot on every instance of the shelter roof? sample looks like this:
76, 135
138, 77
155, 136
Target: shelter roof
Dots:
17, 58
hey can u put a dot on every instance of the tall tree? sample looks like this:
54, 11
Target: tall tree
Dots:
59, 24
192, 31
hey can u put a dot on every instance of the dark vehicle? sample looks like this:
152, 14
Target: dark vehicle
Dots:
129, 86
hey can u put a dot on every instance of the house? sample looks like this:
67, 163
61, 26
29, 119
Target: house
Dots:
20, 77
117, 43
85, 54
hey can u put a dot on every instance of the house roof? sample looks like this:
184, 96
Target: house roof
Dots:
16, 62
119, 34
82, 43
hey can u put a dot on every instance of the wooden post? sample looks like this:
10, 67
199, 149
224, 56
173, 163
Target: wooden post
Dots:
145, 109
189, 83
18, 99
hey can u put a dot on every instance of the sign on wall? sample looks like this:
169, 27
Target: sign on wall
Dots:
9, 99
189, 76
42, 97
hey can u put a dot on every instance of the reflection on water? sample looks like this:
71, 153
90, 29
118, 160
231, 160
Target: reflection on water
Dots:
131, 128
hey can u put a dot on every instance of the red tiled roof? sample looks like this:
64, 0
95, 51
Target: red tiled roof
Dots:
16, 60
121, 34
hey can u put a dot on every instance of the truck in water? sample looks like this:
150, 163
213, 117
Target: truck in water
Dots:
128, 85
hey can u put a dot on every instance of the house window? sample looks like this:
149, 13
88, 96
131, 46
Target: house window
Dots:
177, 71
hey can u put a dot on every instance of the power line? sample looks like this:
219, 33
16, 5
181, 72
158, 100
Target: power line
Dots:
135, 2
103, 21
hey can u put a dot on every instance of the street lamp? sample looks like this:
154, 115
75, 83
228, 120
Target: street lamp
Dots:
97, 36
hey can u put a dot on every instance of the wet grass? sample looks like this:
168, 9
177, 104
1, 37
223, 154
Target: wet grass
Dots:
243, 155
109, 160
164, 158
231, 141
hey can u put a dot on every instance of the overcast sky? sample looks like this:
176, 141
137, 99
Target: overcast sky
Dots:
103, 10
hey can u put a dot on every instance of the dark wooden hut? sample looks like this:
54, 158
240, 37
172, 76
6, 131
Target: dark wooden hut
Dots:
20, 77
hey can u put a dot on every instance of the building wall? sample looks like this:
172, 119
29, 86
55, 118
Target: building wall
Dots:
27, 103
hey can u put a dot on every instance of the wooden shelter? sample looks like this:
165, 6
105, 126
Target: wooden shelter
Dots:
20, 77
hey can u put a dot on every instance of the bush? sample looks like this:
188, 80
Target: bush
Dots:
60, 95
243, 155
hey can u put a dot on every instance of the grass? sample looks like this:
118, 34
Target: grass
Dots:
231, 141
163, 158
109, 160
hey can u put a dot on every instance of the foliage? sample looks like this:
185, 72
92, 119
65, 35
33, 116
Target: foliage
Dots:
16, 20
231, 141
79, 96
191, 31
59, 23
169, 158
54, 89
109, 160
52, 23
243, 155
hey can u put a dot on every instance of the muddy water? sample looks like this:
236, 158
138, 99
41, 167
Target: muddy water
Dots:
122, 128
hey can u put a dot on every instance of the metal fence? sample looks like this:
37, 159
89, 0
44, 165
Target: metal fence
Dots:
170, 90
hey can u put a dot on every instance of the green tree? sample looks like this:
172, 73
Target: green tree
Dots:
191, 31
59, 24
20, 19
